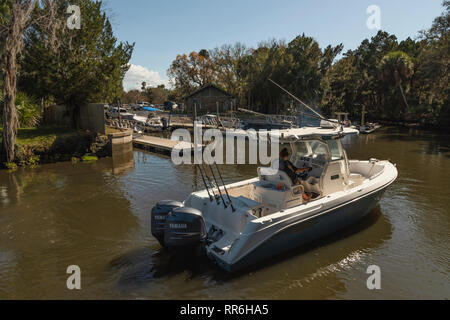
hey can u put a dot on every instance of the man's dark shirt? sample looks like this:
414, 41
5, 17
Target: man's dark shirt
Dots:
284, 166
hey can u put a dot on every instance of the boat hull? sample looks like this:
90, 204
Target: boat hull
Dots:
307, 231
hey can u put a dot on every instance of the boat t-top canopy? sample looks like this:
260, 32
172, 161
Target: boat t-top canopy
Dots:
306, 133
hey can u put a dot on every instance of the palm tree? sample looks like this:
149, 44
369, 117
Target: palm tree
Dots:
397, 67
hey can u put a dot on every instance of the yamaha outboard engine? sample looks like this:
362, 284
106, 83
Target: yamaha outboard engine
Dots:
185, 227
159, 216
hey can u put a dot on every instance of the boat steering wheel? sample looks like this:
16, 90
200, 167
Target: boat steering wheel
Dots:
304, 175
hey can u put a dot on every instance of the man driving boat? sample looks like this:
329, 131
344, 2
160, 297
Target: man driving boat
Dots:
286, 166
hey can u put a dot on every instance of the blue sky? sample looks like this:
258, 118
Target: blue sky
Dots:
163, 29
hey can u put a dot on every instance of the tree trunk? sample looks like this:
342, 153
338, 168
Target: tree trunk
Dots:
399, 84
404, 100
10, 119
13, 41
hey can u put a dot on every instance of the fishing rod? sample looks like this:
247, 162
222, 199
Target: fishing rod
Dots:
218, 187
211, 184
318, 115
204, 182
228, 195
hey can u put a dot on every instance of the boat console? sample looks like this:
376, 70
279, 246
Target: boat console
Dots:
330, 173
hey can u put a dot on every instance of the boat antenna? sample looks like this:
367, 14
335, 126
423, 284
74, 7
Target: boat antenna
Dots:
318, 115
223, 183
218, 187
204, 182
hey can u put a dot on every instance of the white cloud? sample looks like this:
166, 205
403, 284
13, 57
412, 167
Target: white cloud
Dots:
138, 74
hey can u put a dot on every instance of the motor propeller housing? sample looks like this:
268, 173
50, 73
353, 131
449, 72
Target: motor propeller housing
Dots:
185, 227
159, 216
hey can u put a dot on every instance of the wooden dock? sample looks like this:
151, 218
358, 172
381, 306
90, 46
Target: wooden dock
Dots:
161, 145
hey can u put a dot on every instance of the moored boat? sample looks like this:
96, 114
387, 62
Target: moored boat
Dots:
368, 128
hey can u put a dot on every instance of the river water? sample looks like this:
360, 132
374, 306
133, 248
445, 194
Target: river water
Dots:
97, 216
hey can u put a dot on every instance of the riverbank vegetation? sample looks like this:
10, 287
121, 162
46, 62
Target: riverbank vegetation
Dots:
44, 62
153, 95
395, 80
48, 144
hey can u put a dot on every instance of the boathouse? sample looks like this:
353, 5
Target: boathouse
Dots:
208, 98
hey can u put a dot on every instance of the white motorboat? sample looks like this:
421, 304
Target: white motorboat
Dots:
368, 128
246, 222
154, 122
121, 113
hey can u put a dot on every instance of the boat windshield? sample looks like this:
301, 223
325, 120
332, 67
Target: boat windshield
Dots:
319, 149
336, 150
310, 151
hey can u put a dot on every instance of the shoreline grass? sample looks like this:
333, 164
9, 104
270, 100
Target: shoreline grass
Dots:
49, 144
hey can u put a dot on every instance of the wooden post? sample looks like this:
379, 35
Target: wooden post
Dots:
195, 179
168, 122
118, 110
218, 116
363, 114
195, 114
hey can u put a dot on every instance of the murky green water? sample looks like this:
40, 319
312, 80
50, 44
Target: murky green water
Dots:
97, 216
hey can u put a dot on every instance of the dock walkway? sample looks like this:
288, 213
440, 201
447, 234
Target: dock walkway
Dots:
160, 145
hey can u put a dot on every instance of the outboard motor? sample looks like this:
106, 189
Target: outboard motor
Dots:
159, 216
185, 227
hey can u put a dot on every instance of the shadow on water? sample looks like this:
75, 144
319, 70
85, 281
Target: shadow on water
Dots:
142, 266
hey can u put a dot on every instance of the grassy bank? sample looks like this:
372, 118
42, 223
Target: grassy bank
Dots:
53, 144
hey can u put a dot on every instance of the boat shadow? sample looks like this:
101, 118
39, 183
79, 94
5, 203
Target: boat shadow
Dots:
143, 266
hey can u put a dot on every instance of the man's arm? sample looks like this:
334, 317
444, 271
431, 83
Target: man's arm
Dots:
291, 166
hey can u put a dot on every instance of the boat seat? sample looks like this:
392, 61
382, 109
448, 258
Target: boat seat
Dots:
279, 179
276, 191
275, 177
312, 184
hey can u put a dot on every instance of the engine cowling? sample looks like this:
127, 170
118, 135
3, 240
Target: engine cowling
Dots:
185, 227
159, 216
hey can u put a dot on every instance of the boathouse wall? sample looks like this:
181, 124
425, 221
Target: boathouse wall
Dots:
91, 117
206, 100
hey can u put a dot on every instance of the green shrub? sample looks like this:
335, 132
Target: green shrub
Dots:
30, 114
10, 165
89, 158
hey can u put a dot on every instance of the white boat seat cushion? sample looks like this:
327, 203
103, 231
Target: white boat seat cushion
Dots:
275, 177
312, 184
